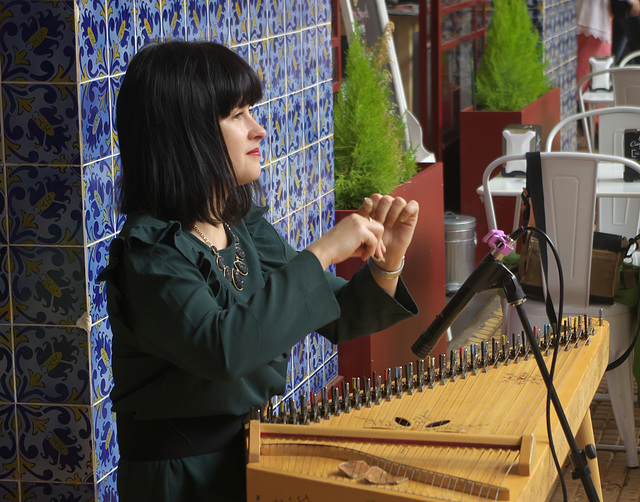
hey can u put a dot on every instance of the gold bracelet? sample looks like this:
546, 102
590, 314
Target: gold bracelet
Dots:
382, 273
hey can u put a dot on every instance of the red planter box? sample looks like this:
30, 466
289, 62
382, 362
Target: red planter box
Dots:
424, 275
481, 143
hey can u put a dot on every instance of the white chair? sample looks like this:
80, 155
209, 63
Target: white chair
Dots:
625, 90
617, 215
569, 186
625, 60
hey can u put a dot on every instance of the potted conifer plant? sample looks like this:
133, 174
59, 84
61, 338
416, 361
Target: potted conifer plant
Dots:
510, 88
369, 157
369, 153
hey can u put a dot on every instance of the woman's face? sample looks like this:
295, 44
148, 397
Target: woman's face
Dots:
242, 134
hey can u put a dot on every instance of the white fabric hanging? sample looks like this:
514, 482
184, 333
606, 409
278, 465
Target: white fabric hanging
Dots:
593, 18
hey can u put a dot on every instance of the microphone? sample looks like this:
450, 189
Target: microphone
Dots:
485, 276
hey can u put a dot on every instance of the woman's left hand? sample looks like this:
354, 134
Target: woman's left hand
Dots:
399, 219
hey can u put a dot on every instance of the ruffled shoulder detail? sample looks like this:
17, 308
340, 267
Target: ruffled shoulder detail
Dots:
146, 229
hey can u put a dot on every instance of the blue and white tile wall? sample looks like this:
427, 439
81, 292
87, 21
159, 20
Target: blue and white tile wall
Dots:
60, 162
557, 21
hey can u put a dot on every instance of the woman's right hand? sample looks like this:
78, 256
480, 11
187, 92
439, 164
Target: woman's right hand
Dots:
354, 236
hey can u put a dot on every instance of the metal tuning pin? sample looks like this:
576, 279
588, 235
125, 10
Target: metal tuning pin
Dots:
484, 355
495, 356
281, 418
356, 393
346, 397
378, 399
420, 374
600, 318
545, 339
315, 411
464, 363
326, 409
442, 360
388, 385
398, 380
506, 350
473, 354
408, 372
304, 408
293, 416
367, 392
453, 365
335, 401
431, 372
269, 418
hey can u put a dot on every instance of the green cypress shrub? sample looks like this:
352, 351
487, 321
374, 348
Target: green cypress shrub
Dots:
369, 136
511, 72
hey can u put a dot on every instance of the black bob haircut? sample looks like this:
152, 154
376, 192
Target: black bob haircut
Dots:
175, 163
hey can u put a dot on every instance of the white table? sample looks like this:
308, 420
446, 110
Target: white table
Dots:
610, 184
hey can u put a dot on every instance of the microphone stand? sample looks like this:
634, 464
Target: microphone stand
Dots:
490, 274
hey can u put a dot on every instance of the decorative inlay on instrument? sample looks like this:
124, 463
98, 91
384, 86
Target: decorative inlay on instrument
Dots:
472, 428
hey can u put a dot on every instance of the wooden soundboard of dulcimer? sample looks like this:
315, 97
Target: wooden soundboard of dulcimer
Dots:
470, 428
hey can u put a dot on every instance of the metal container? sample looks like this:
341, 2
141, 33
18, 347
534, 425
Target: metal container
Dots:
459, 249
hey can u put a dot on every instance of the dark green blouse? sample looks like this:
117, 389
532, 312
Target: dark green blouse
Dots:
186, 343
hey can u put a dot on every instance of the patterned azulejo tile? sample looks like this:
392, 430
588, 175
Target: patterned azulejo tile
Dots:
98, 200
239, 22
44, 205
278, 128
292, 15
148, 22
5, 297
37, 41
219, 22
7, 379
259, 61
95, 120
309, 57
258, 19
48, 285
52, 365
107, 488
312, 174
311, 114
299, 361
276, 17
101, 372
280, 190
106, 452
8, 443
173, 20
40, 123
326, 165
54, 443
54, 492
297, 236
296, 181
312, 222
294, 62
276, 67
93, 50
295, 121
121, 30
97, 256
196, 25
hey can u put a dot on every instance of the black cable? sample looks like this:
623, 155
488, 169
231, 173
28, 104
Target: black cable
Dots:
554, 326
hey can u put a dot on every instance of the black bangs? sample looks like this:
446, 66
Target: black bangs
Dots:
237, 84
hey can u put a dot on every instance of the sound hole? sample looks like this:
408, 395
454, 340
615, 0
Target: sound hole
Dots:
403, 421
438, 423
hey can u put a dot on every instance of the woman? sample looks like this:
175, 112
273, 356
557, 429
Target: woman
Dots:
205, 298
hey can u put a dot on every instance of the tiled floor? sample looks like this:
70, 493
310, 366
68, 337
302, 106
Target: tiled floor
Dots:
480, 320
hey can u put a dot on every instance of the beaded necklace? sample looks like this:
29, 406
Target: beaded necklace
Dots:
233, 275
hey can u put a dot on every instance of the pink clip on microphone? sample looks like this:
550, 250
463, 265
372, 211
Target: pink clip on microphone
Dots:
500, 242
